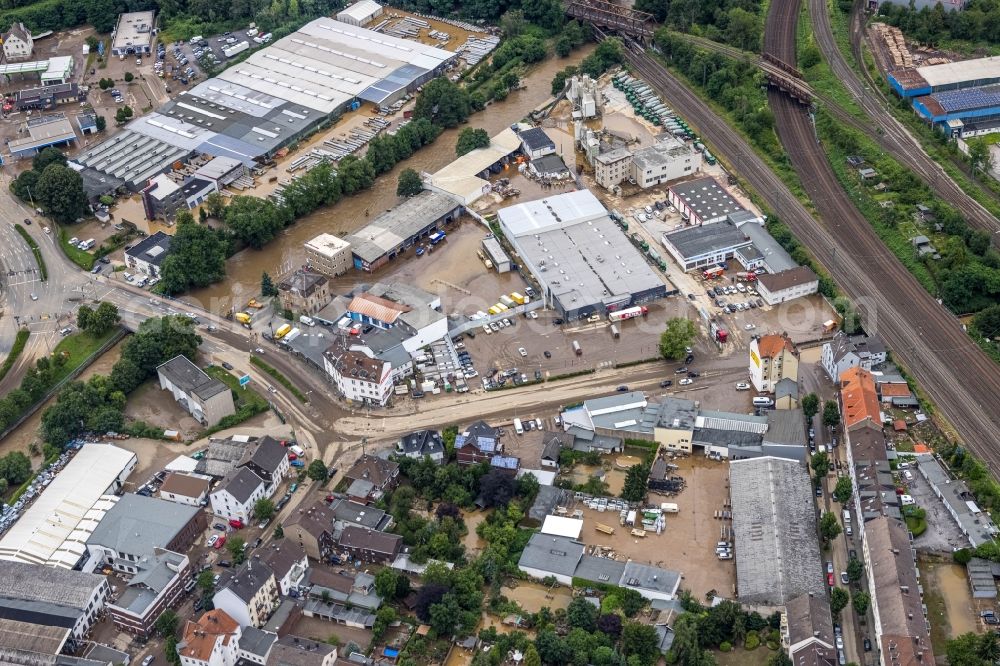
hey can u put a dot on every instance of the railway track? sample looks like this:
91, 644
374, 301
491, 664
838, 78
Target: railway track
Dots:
897, 140
962, 381
883, 129
957, 375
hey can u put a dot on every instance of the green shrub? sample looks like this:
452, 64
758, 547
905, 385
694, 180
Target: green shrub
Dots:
725, 646
752, 642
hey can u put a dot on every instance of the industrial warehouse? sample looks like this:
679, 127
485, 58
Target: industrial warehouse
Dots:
270, 100
961, 99
580, 257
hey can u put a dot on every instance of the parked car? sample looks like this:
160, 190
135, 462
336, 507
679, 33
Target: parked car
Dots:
227, 366
844, 579
686, 382
666, 382
547, 354
681, 371
622, 389
742, 386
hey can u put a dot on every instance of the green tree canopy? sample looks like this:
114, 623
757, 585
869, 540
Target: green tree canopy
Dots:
409, 183
267, 288
60, 192
860, 600
831, 413
842, 493
820, 463
678, 335
810, 405
829, 528
987, 322
838, 600
469, 139
47, 156
973, 649
317, 471
443, 103
263, 508
636, 483
254, 221
236, 547
197, 256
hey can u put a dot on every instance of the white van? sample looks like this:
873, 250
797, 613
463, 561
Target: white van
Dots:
308, 321
538, 423
518, 428
762, 401
847, 516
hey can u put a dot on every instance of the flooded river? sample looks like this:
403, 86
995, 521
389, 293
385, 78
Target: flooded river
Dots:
286, 252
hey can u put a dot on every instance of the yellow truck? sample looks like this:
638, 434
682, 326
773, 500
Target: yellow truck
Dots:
243, 317
638, 533
282, 331
518, 298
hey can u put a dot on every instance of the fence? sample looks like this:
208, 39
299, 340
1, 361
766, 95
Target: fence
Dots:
115, 339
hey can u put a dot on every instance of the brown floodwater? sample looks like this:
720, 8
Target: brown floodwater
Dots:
243, 271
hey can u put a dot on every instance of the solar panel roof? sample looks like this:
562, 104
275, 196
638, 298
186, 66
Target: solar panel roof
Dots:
968, 99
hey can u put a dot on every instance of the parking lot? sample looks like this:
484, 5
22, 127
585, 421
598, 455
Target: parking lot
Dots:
687, 544
943, 534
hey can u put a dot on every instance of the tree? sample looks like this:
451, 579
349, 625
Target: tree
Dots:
263, 509
409, 183
50, 155
820, 463
610, 624
829, 528
237, 549
427, 596
443, 103
317, 471
15, 468
636, 483
831, 413
214, 205
99, 321
582, 614
810, 405
84, 316
101, 122
391, 584
676, 338
25, 186
106, 83
973, 650
471, 138
779, 658
980, 156
987, 322
842, 493
254, 221
206, 581
267, 288
60, 192
129, 77
531, 657
855, 570
512, 23
120, 116
384, 617
860, 600
641, 640
166, 624
197, 256
497, 488
838, 600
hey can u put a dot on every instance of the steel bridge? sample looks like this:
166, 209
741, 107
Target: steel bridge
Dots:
615, 18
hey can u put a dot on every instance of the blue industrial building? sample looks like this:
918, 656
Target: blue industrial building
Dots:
962, 112
920, 81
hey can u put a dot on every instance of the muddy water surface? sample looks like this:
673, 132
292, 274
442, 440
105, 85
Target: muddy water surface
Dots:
285, 252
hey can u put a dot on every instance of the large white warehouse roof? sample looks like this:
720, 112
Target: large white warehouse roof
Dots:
53, 531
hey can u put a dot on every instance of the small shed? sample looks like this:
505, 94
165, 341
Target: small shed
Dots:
561, 526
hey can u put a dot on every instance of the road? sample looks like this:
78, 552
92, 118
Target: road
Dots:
893, 136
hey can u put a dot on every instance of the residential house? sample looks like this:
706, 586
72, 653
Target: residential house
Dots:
851, 351
297, 651
549, 166
479, 442
787, 285
506, 464
211, 641
329, 255
248, 595
17, 43
346, 512
185, 489
772, 358
421, 443
612, 167
859, 404
236, 494
786, 394
312, 529
255, 645
304, 292
807, 631
342, 597
288, 562
159, 585
552, 444
205, 398
371, 477
147, 255
547, 555
369, 545
268, 460
358, 373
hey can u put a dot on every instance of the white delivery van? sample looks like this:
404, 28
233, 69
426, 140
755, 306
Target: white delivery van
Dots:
762, 401
308, 321
518, 428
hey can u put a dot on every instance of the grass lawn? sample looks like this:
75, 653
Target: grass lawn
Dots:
78, 347
244, 396
936, 610
84, 260
741, 657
